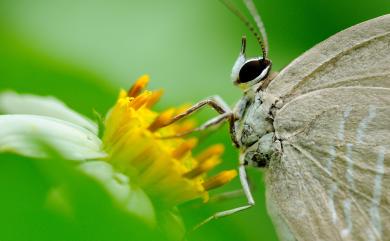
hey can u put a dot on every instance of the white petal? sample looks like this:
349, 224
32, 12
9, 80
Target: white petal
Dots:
128, 195
13, 103
35, 136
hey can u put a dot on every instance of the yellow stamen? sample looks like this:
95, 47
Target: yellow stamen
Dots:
162, 120
214, 150
136, 89
154, 98
184, 148
185, 126
220, 179
202, 168
141, 100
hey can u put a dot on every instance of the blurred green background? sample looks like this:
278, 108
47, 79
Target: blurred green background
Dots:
83, 51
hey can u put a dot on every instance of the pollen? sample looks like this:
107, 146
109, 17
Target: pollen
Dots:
184, 148
215, 150
202, 167
138, 86
164, 167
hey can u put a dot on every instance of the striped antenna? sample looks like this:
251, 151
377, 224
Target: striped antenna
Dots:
262, 39
260, 25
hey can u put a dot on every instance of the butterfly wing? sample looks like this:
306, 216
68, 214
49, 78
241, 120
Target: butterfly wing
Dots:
333, 179
357, 56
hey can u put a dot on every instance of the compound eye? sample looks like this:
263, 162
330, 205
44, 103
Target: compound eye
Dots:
253, 69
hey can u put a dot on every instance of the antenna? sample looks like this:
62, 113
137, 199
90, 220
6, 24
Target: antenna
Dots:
262, 39
260, 25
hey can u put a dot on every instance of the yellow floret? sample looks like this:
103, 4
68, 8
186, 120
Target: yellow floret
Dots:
164, 168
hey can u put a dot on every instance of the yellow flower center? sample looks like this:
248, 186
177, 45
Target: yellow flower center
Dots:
164, 168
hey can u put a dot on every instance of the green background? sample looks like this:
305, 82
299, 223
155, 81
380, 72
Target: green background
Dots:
83, 51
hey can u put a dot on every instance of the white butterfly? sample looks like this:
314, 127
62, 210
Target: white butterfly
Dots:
321, 129
332, 181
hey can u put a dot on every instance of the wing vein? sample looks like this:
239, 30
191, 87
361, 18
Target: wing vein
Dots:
320, 167
340, 83
334, 58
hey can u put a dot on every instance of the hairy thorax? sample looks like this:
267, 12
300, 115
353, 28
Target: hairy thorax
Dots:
254, 131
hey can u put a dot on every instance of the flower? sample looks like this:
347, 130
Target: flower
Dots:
164, 168
132, 159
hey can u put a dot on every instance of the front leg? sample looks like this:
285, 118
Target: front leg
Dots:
216, 121
218, 104
215, 102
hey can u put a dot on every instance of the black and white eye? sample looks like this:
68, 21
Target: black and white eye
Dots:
254, 70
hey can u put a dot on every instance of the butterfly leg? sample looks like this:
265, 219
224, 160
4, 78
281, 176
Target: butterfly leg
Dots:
214, 122
226, 196
215, 102
247, 192
218, 104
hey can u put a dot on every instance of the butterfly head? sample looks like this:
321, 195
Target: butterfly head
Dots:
248, 72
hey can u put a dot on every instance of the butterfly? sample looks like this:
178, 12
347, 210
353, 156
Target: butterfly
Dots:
332, 181
320, 129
